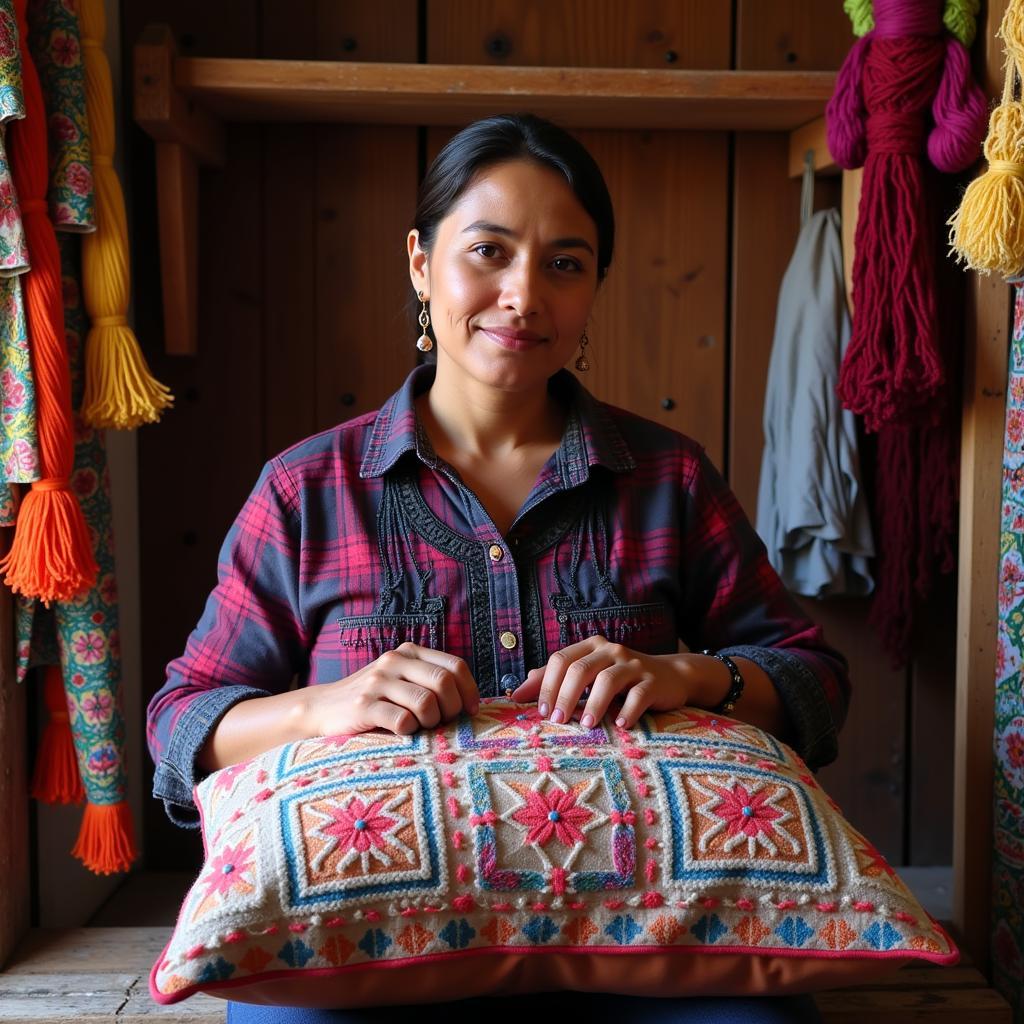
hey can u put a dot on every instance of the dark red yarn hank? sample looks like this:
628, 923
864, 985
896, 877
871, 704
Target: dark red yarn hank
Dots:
892, 371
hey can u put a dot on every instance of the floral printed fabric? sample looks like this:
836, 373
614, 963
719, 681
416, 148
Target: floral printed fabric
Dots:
86, 629
1008, 855
506, 833
19, 451
57, 50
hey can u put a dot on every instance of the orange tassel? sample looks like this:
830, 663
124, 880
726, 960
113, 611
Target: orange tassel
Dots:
106, 840
56, 779
51, 557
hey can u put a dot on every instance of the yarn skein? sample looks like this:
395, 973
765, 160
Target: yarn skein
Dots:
51, 554
120, 391
904, 67
987, 230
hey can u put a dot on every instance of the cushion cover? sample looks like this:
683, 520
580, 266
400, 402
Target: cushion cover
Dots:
693, 854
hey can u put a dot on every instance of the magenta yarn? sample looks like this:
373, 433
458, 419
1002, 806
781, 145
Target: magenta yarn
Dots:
960, 112
845, 113
907, 17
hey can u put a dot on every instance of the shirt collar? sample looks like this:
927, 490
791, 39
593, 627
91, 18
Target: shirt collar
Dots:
591, 436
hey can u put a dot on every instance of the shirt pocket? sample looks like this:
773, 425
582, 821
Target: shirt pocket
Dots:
364, 638
647, 628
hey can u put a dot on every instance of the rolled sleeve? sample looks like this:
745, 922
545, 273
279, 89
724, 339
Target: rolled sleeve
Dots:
736, 603
175, 777
815, 731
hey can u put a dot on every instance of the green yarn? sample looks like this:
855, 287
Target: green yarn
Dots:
959, 17
860, 13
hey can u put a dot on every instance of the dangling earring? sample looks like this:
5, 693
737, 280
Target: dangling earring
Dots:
582, 362
424, 344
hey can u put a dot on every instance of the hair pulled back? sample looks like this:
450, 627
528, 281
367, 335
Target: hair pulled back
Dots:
503, 137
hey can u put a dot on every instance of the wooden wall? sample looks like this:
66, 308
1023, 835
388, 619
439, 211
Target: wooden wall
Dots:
304, 289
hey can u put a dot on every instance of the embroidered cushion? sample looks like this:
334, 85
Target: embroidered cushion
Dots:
693, 854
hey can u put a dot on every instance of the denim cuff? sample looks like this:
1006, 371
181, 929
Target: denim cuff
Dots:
175, 775
814, 732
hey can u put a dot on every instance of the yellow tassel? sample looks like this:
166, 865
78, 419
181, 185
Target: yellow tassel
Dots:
106, 840
56, 779
120, 391
987, 231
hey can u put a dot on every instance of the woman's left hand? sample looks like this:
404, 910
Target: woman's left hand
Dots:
650, 682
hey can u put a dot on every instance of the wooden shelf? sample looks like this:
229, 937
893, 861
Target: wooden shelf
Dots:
453, 94
183, 102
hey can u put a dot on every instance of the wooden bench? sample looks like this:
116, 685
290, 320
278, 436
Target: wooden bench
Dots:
89, 975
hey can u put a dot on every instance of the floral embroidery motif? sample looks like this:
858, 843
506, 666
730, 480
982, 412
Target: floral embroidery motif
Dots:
361, 830
746, 815
553, 815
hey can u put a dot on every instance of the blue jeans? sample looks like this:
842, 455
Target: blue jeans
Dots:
593, 1007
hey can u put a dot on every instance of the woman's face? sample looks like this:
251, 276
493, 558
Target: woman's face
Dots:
511, 277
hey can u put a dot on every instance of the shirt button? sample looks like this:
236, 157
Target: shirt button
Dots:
508, 640
509, 681
496, 553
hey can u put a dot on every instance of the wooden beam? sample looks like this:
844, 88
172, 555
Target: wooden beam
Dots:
989, 309
988, 319
454, 94
186, 136
812, 137
161, 110
177, 182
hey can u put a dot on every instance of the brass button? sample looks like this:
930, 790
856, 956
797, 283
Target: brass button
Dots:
496, 553
508, 640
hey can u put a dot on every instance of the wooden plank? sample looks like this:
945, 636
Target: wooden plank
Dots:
849, 210
95, 999
982, 425
658, 328
810, 136
177, 184
386, 30
14, 832
989, 309
388, 93
940, 1006
791, 34
161, 110
580, 33
366, 195
765, 224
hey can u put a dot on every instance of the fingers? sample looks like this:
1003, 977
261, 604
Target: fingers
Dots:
529, 689
445, 674
606, 686
382, 714
569, 672
637, 701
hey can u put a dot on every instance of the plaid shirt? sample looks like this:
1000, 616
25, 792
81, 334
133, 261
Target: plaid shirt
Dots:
361, 537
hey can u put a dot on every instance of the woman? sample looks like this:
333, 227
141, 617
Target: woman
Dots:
493, 528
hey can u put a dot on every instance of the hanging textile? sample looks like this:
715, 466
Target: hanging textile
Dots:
905, 91
1008, 853
19, 445
57, 51
811, 509
87, 634
119, 389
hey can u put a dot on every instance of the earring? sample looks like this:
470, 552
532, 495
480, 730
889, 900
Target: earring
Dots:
424, 344
582, 362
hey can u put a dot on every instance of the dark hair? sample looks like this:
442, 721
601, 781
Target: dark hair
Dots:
514, 137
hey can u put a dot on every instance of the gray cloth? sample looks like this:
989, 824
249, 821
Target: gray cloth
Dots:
811, 510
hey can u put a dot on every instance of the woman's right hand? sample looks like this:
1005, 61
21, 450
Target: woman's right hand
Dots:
403, 691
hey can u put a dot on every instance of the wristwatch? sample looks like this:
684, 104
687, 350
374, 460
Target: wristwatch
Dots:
735, 687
